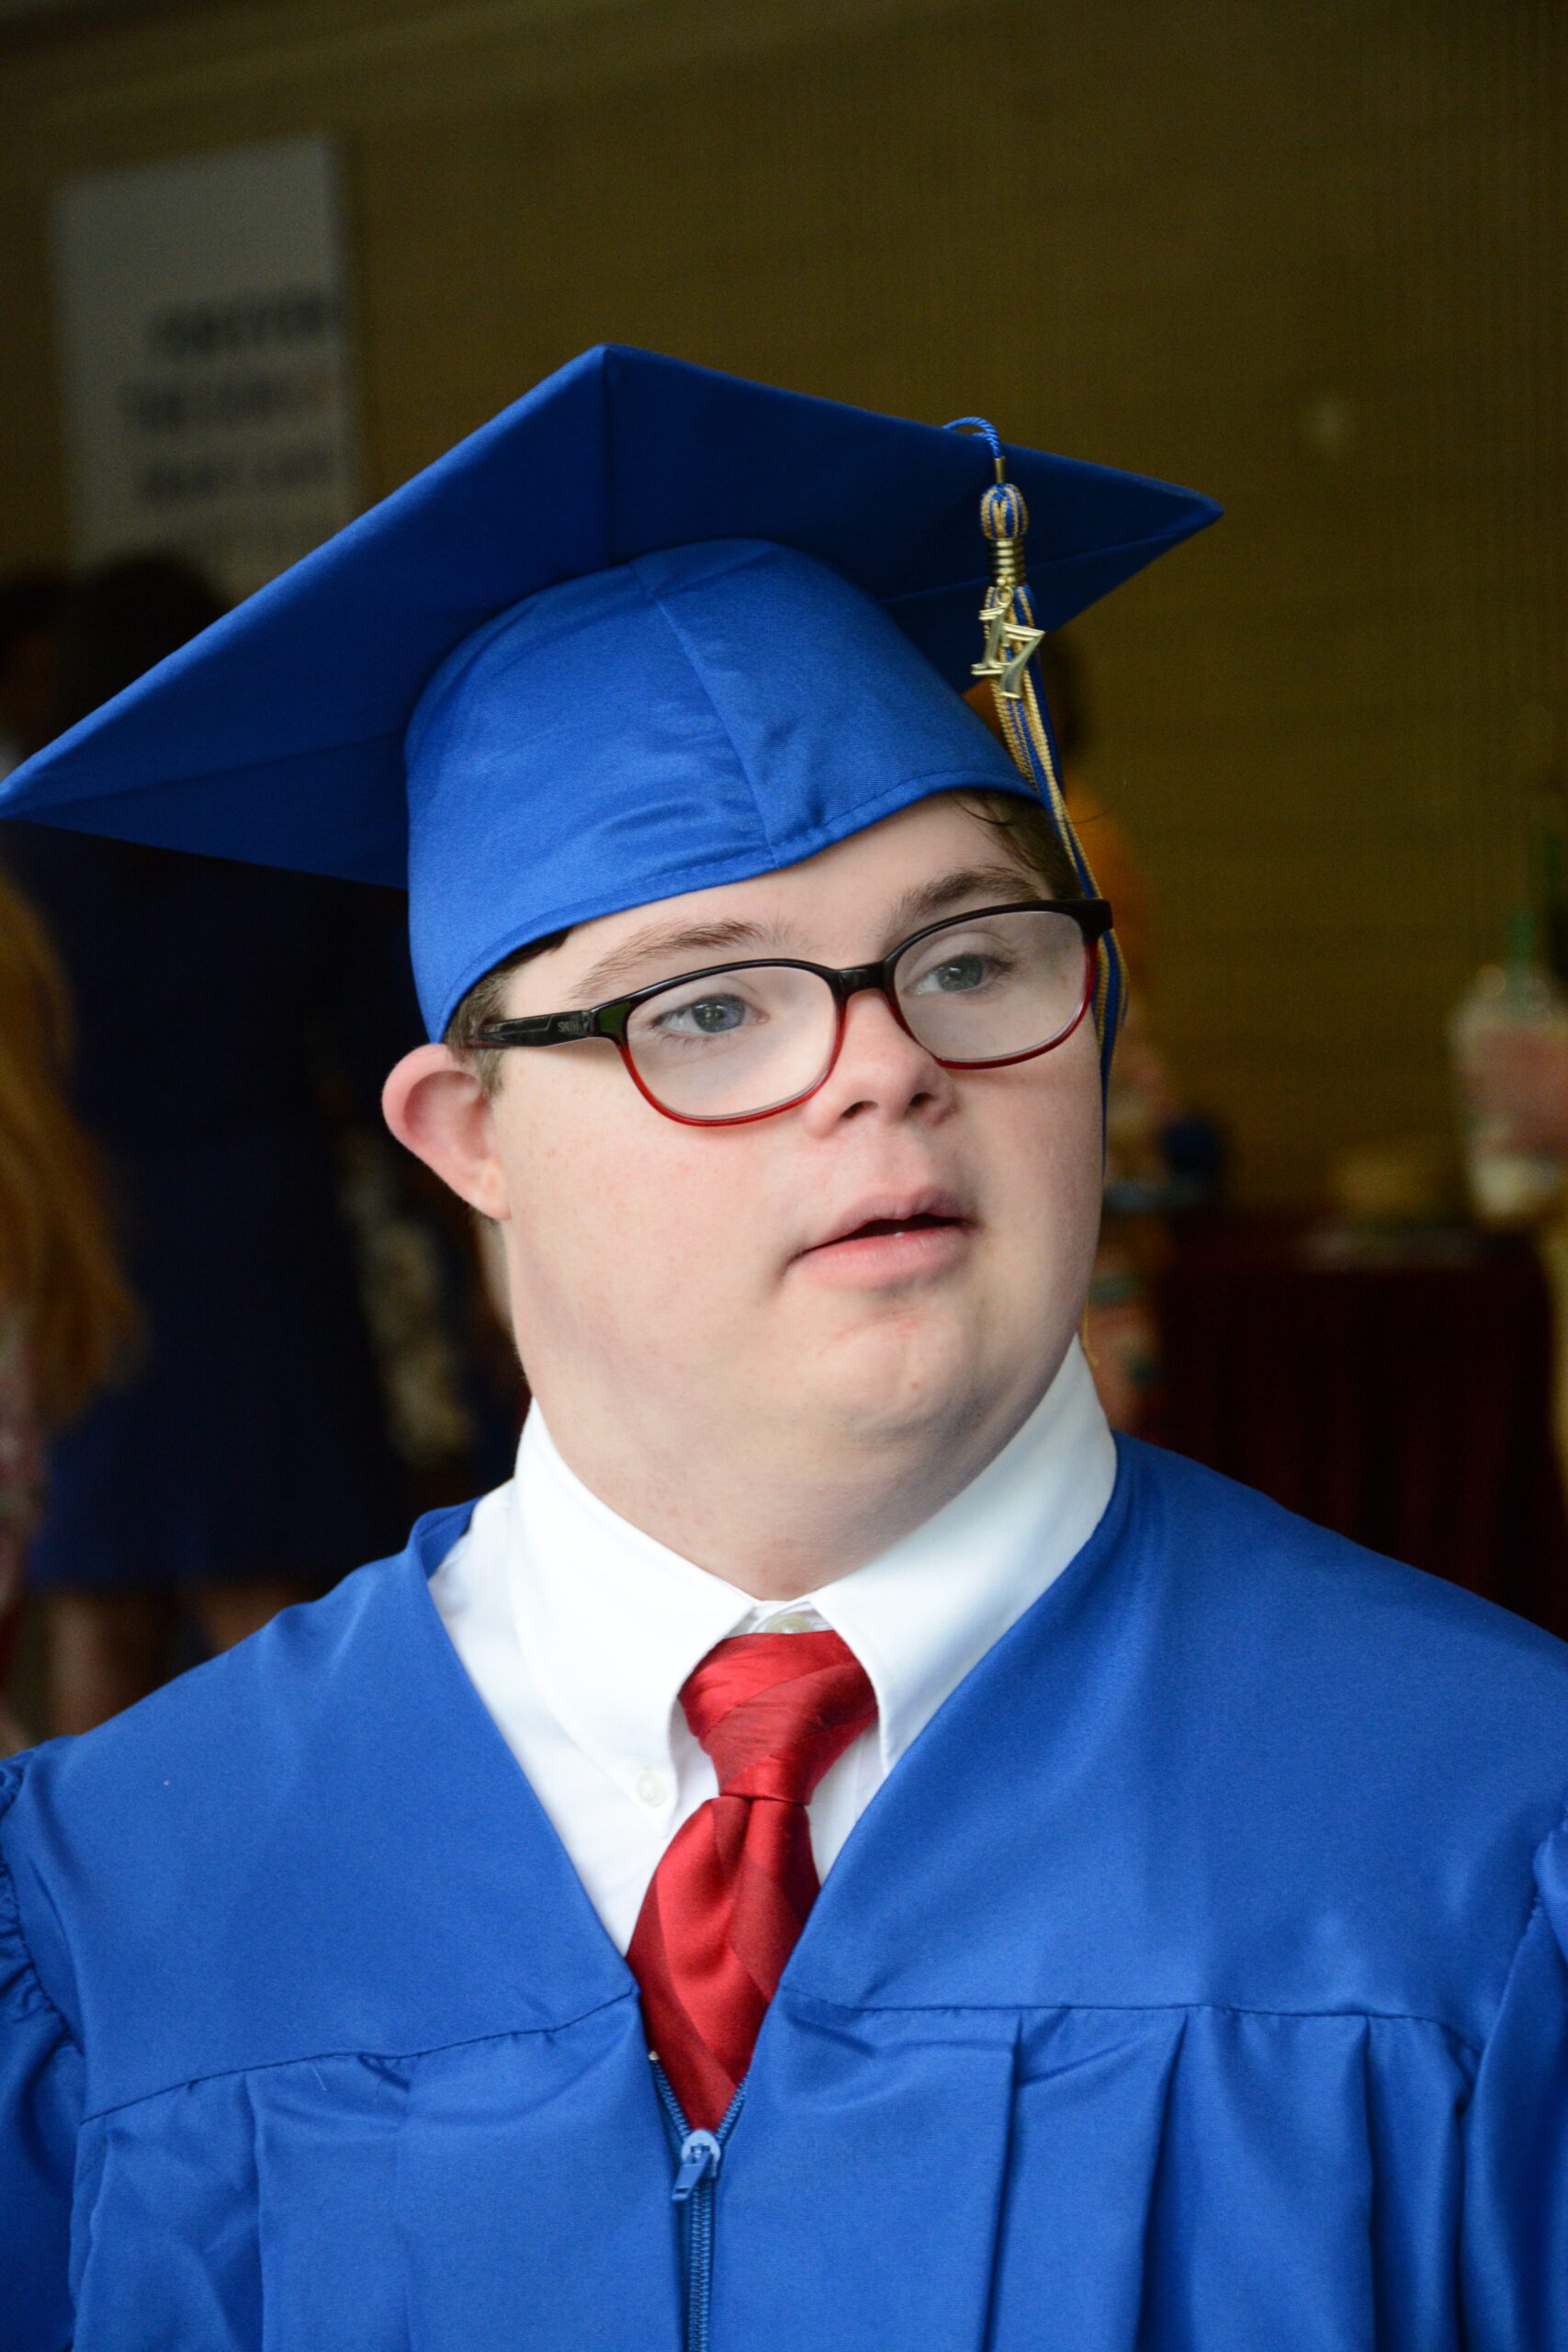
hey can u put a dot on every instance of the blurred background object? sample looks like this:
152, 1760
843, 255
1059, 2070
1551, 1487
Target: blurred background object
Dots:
1510, 1044
1309, 260
1403, 1185
29, 605
204, 327
66, 1320
1396, 1389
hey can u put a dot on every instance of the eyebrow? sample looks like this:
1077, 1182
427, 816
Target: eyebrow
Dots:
1009, 883
621, 962
620, 967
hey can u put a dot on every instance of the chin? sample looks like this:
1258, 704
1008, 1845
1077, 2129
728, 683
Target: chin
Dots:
892, 1385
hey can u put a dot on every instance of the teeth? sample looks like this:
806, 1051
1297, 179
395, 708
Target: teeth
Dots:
896, 1225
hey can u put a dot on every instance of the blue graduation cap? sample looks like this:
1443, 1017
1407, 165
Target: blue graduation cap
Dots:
650, 630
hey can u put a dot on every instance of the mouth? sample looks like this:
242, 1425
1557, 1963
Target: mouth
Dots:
873, 1227
891, 1241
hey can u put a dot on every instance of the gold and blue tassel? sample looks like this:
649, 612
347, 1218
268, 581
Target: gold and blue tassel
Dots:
1013, 639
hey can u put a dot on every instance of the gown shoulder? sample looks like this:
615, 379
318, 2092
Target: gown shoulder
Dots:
1285, 1580
316, 1842
1230, 1759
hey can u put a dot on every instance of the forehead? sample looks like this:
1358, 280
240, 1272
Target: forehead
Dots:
849, 902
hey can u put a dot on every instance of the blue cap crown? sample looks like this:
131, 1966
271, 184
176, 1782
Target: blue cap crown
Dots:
699, 715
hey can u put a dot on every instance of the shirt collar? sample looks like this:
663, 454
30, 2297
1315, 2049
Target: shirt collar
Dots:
610, 1622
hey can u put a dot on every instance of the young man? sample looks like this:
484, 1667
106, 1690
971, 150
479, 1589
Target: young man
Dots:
1186, 1970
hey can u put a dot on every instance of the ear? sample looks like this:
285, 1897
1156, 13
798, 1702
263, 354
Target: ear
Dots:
437, 1109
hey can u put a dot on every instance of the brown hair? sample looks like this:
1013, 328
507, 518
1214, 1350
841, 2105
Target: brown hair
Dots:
1027, 834
57, 1266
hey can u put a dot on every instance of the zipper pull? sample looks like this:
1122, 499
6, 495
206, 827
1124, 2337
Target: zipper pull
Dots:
700, 2154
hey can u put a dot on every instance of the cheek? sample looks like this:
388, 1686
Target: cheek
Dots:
614, 1209
1046, 1162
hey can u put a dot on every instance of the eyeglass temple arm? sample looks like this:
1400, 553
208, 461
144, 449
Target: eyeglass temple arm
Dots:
547, 1028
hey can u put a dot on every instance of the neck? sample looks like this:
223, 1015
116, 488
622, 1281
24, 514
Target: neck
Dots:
781, 1519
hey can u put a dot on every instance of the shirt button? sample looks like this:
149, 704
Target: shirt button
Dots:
795, 1621
650, 1787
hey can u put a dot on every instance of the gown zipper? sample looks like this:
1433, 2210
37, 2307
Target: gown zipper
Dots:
698, 2157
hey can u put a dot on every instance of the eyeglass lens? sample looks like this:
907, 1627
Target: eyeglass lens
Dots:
982, 988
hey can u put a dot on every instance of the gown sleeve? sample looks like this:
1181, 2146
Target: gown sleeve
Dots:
1514, 2259
40, 2108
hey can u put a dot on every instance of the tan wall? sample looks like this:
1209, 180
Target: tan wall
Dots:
1307, 258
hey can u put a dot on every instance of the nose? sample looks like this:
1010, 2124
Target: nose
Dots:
880, 1071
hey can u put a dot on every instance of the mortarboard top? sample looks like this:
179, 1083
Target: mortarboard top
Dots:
649, 629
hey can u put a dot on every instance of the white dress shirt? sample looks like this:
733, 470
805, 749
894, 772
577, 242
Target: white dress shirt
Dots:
578, 1631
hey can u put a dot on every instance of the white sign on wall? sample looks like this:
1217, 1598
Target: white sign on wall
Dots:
205, 341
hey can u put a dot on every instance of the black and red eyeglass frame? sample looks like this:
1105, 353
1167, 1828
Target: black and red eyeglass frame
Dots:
611, 1018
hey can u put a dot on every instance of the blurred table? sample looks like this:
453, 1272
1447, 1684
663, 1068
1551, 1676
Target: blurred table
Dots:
1403, 1400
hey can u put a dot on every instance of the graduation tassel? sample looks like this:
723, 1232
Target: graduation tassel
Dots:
1012, 640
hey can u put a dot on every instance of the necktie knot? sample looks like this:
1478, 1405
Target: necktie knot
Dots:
774, 1710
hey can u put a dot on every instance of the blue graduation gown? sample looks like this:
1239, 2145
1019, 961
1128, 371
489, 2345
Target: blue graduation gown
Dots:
1196, 1984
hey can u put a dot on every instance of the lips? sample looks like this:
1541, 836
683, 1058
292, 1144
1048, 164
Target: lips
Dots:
887, 1215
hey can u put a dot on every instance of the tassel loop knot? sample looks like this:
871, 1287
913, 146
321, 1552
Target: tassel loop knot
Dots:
1003, 513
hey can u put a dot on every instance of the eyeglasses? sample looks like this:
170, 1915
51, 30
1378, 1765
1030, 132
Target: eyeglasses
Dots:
736, 1042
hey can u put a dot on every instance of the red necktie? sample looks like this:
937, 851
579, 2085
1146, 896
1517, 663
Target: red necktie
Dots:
727, 1903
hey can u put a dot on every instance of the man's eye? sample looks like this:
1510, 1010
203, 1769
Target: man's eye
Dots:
956, 975
706, 1016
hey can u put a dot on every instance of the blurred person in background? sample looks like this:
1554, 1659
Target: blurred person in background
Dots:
30, 603
65, 1317
245, 1463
